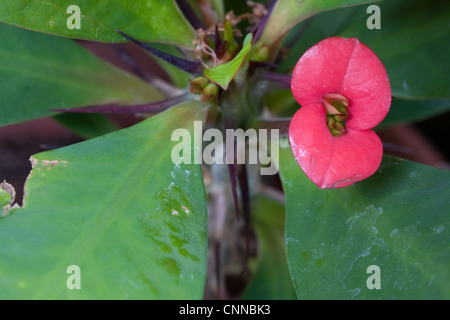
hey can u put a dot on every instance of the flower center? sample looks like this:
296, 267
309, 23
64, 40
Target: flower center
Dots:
336, 105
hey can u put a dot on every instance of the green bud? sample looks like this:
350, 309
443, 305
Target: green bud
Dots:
198, 84
330, 108
331, 122
336, 106
341, 117
210, 93
336, 97
339, 126
342, 109
337, 133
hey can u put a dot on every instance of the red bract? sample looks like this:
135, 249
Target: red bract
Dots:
344, 91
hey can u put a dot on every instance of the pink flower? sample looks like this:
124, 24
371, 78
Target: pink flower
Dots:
344, 92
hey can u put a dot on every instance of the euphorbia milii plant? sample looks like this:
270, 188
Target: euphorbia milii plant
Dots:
344, 91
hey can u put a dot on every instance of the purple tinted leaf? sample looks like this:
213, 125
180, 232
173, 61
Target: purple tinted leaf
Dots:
190, 15
245, 197
231, 163
125, 56
154, 107
193, 67
253, 65
217, 255
282, 79
233, 180
217, 40
262, 24
220, 50
245, 192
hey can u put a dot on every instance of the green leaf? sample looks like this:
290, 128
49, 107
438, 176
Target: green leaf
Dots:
286, 14
7, 194
281, 102
408, 111
271, 280
156, 20
397, 220
117, 207
5, 198
228, 37
219, 8
41, 72
85, 125
224, 73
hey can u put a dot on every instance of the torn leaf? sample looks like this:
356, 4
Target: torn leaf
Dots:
7, 196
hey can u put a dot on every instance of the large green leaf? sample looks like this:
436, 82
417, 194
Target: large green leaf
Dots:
397, 220
407, 111
86, 125
155, 20
271, 279
287, 13
117, 207
39, 72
